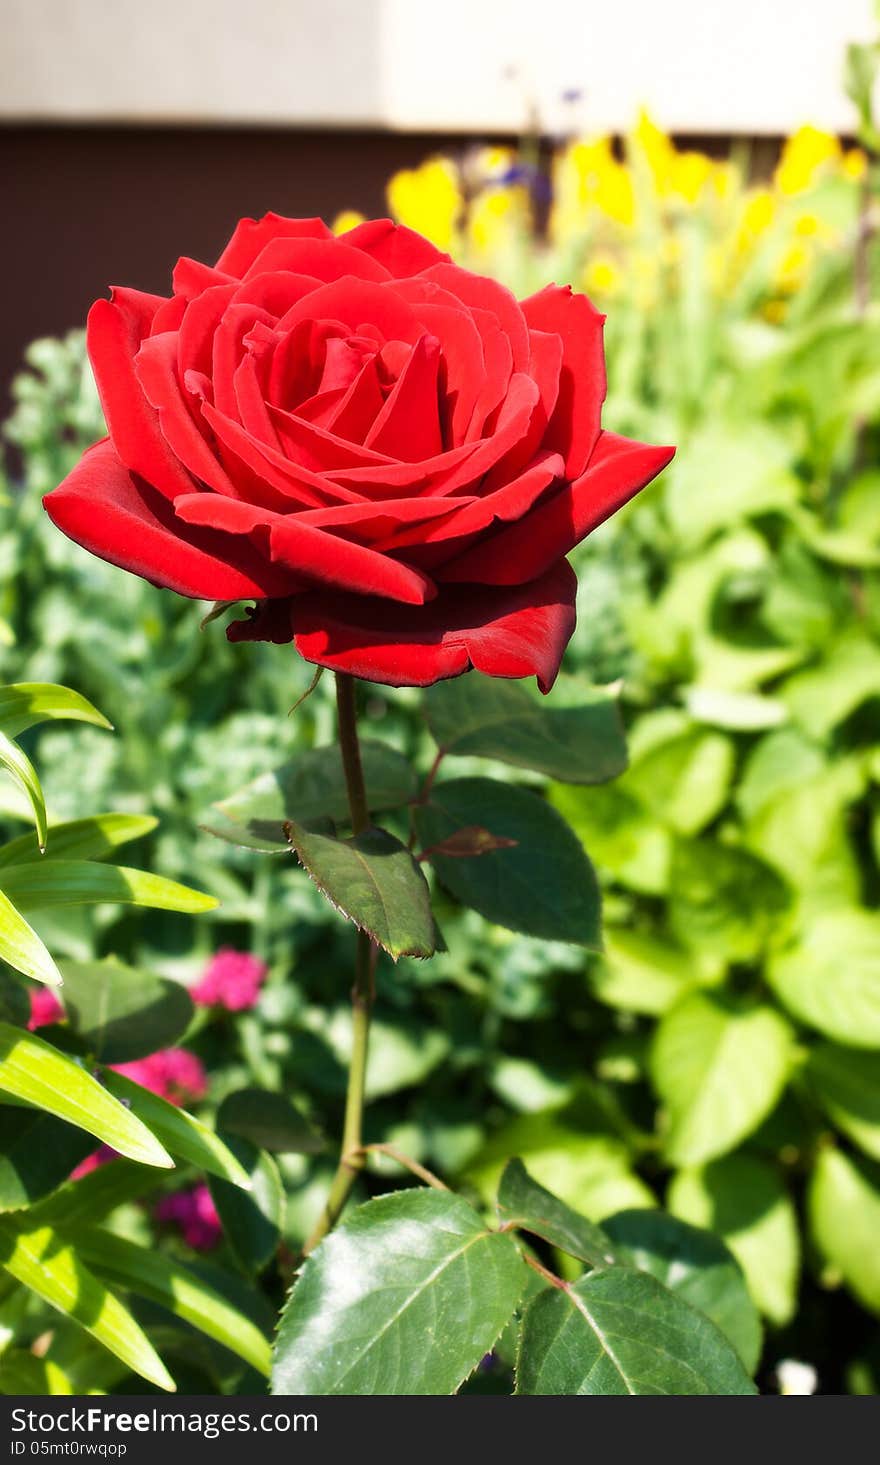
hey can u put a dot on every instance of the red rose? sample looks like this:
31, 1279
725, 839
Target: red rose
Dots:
390, 455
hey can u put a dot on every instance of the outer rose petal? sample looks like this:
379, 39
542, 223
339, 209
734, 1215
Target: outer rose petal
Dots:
618, 469
400, 250
102, 507
574, 425
517, 633
114, 334
251, 235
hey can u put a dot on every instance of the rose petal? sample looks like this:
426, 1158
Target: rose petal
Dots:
291, 481
617, 470
486, 294
191, 278
102, 507
156, 370
408, 426
195, 337
515, 633
358, 409
377, 524
400, 250
251, 235
326, 259
575, 423
116, 328
315, 448
356, 303
229, 349
341, 564
431, 545
513, 421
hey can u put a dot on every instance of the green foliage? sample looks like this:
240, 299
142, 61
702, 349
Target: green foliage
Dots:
718, 1053
374, 881
618, 1331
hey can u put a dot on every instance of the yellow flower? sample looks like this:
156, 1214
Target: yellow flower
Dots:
496, 216
658, 151
806, 154
348, 219
603, 276
807, 225
758, 214
587, 176
723, 179
792, 268
428, 199
494, 162
854, 164
689, 175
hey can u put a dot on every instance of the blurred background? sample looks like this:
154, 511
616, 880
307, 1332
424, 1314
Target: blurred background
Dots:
708, 173
131, 134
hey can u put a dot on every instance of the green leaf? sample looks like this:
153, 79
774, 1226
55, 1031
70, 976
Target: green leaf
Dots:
22, 948
724, 900
310, 787
93, 1196
592, 1173
731, 471
846, 1083
427, 1290
251, 1219
83, 882
844, 1215
544, 886
34, 1071
719, 1068
622, 837
743, 1200
81, 839
804, 833
37, 1153
641, 972
831, 978
617, 1331
57, 1272
697, 1266
499, 719
525, 1205
22, 1373
402, 1051
27, 703
824, 696
15, 1005
181, 1133
269, 1121
22, 771
374, 881
734, 711
160, 1278
121, 1014
684, 781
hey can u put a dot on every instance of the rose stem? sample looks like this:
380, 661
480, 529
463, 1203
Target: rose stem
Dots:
352, 1156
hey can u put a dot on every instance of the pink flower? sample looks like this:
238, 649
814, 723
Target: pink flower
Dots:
45, 1008
92, 1161
232, 979
194, 1212
172, 1073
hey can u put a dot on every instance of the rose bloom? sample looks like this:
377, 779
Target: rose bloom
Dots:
389, 455
232, 979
